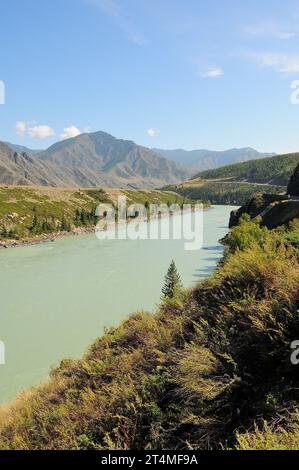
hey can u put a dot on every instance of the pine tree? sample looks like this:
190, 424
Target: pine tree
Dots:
65, 225
84, 217
36, 226
173, 283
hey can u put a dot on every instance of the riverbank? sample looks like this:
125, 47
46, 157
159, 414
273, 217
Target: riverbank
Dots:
45, 238
78, 231
34, 215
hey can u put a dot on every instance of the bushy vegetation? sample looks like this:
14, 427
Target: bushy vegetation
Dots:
292, 234
210, 370
283, 434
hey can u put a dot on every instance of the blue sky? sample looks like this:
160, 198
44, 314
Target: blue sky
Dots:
166, 73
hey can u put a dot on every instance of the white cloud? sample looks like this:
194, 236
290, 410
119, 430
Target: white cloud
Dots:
40, 132
269, 29
152, 132
282, 63
21, 128
35, 131
69, 132
215, 72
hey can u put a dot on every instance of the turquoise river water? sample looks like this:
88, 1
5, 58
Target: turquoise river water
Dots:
56, 298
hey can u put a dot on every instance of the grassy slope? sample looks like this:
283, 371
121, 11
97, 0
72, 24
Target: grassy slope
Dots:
19, 206
211, 362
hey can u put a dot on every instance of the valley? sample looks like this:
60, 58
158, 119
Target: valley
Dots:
219, 351
149, 232
199, 346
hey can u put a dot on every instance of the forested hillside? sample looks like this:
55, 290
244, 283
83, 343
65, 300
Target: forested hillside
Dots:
236, 184
273, 170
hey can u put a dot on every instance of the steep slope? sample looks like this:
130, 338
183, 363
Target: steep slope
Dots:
22, 169
202, 160
101, 156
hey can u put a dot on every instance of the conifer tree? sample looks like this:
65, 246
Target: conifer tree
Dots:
173, 283
65, 225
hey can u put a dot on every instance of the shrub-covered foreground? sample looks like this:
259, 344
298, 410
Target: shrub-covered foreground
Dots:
210, 370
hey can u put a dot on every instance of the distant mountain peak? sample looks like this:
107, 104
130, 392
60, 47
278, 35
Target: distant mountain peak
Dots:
89, 160
22, 149
202, 159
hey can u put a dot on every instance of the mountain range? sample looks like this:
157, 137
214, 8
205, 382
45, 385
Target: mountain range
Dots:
201, 160
89, 160
99, 159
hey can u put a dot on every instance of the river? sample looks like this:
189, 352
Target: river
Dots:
56, 298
